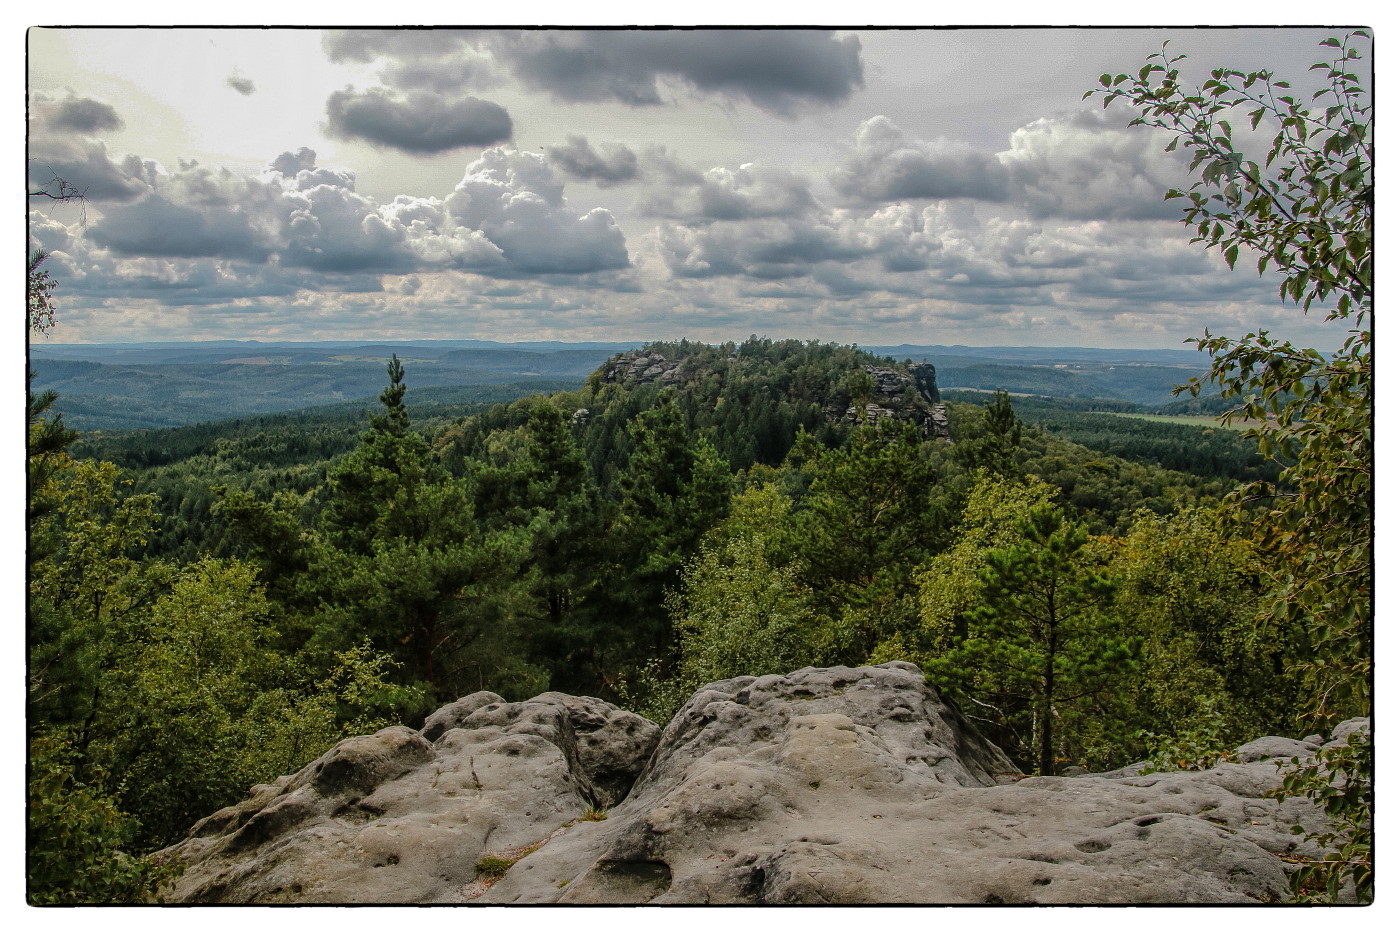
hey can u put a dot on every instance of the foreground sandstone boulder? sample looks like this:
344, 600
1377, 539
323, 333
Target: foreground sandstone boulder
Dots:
403, 817
837, 785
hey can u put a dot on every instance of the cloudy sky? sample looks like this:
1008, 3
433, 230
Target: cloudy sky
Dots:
871, 187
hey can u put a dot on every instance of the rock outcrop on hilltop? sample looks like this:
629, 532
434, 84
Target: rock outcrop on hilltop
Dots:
908, 393
825, 786
900, 396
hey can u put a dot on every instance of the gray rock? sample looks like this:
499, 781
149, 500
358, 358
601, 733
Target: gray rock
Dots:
824, 786
862, 786
397, 818
1343, 731
1274, 746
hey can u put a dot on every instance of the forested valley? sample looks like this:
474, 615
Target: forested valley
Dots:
215, 605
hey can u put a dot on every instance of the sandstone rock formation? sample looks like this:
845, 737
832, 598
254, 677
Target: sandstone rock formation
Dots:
638, 368
906, 394
403, 816
825, 786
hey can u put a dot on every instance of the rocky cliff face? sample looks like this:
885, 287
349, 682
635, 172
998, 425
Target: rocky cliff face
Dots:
825, 786
908, 394
900, 396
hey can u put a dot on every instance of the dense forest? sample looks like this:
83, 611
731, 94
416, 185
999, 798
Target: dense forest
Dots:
212, 607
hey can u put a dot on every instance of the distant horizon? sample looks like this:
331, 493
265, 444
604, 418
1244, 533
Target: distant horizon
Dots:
850, 186
357, 341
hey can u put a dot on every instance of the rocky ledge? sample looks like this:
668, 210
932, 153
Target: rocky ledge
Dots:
825, 786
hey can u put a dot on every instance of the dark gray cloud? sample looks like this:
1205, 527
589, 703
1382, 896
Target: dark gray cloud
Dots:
289, 163
760, 249
85, 115
62, 145
417, 123
776, 70
86, 166
154, 226
366, 45
885, 165
614, 165
242, 85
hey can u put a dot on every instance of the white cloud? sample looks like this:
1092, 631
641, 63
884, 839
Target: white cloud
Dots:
1089, 165
514, 200
885, 165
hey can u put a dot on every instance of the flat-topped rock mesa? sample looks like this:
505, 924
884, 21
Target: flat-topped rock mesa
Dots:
905, 392
824, 786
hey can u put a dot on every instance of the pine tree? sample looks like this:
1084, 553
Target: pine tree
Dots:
1040, 640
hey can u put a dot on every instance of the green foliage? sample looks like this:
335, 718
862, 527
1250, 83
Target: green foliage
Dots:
1207, 451
1194, 589
1199, 745
1308, 210
493, 866
78, 837
674, 489
1339, 778
40, 304
1308, 215
739, 611
870, 512
949, 589
992, 444
154, 694
1038, 642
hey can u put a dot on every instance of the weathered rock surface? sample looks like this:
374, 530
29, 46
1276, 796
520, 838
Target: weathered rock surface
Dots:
897, 395
837, 785
403, 817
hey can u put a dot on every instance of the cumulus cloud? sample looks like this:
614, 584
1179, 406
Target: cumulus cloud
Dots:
332, 229
155, 226
418, 122
886, 165
514, 200
614, 165
199, 235
750, 192
299, 171
1087, 165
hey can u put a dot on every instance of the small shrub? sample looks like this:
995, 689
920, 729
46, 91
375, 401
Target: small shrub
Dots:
1200, 745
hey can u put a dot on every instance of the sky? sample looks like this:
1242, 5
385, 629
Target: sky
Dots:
878, 187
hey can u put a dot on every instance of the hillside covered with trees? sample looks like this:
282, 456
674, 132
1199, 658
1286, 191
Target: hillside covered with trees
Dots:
211, 607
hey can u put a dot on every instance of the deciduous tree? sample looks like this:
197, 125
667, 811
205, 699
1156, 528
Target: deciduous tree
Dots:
1307, 214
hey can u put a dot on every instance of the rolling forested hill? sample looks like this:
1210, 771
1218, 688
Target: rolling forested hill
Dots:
683, 514
117, 387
